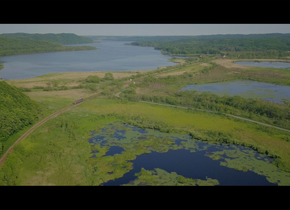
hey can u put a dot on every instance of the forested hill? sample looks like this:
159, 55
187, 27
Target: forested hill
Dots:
12, 46
234, 46
16, 111
63, 38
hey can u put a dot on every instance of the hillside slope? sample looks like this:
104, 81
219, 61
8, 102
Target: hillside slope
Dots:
13, 46
16, 111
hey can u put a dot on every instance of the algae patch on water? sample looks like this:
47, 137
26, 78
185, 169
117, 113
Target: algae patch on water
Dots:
245, 159
131, 142
160, 177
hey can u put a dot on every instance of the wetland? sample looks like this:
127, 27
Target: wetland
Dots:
181, 154
246, 89
267, 64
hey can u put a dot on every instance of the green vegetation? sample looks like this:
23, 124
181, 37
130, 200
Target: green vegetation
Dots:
233, 46
203, 126
160, 177
58, 153
245, 160
16, 112
12, 46
62, 38
108, 76
93, 79
265, 111
165, 89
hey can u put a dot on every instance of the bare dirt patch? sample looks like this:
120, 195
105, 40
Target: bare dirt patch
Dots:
204, 64
172, 74
228, 63
71, 94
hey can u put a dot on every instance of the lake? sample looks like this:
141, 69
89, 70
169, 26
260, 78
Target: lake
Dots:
270, 64
228, 164
246, 89
110, 56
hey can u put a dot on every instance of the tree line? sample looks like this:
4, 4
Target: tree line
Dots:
236, 46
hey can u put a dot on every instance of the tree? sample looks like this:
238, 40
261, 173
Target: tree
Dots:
93, 79
108, 76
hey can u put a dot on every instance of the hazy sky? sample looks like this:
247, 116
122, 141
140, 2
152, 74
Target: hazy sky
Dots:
146, 29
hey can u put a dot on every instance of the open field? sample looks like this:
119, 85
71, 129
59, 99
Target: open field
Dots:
66, 78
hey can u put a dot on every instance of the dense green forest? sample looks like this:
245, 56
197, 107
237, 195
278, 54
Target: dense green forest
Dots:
63, 38
233, 46
12, 46
16, 111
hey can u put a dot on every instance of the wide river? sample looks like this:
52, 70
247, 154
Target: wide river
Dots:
110, 56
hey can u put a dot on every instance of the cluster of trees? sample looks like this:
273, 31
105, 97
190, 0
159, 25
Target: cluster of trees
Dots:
97, 79
12, 46
16, 111
254, 46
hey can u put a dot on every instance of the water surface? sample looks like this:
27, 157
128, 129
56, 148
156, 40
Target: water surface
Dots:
267, 64
110, 56
246, 89
229, 164
191, 165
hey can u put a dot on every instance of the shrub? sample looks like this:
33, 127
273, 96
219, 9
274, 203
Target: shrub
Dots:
24, 89
38, 87
47, 89
93, 79
55, 83
62, 87
92, 87
108, 76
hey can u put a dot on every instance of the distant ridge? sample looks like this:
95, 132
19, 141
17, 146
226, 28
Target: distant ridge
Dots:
62, 38
22, 43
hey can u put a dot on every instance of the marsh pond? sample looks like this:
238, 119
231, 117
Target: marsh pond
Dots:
109, 56
246, 89
267, 64
123, 154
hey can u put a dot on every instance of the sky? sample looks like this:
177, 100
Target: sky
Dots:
146, 29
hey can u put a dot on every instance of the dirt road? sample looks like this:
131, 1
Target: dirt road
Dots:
31, 130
